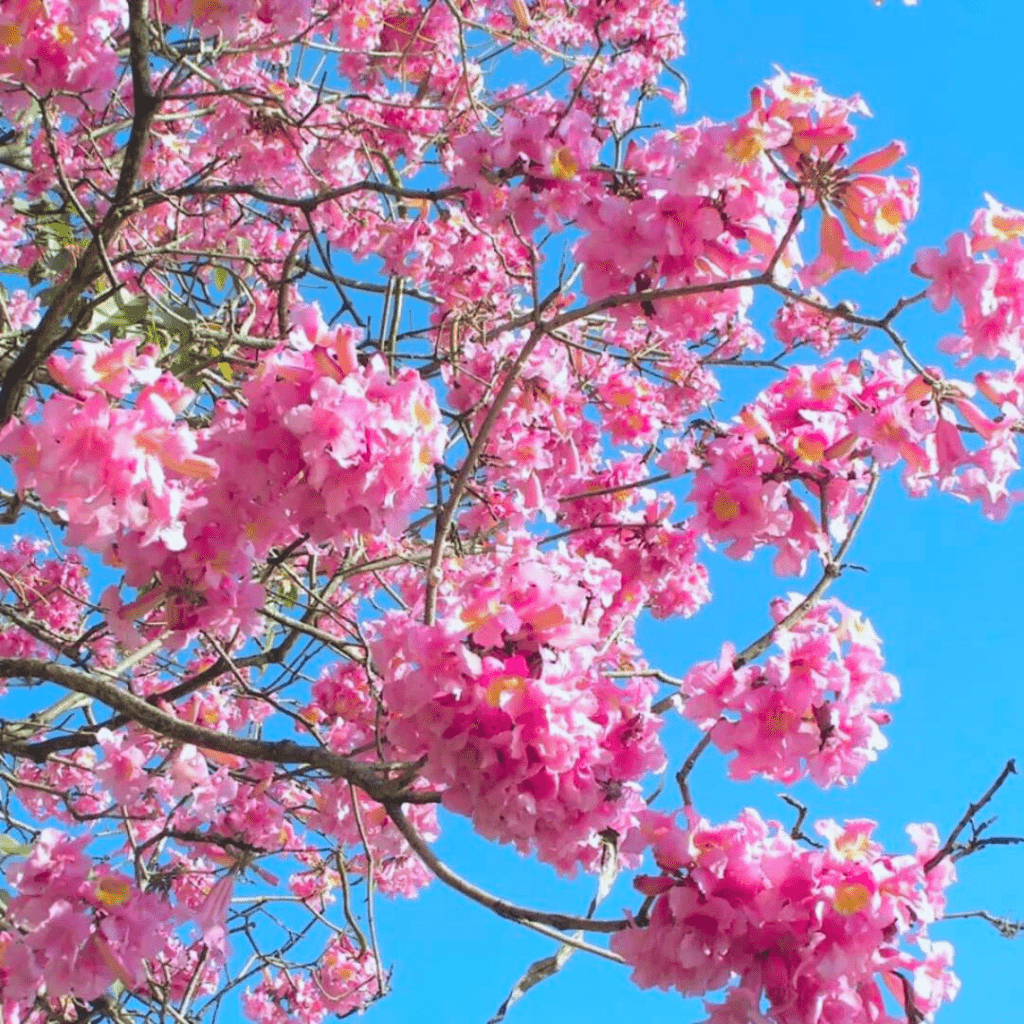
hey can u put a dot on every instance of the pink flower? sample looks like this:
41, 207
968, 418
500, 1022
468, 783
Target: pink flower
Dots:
836, 255
995, 225
80, 926
122, 769
538, 746
956, 275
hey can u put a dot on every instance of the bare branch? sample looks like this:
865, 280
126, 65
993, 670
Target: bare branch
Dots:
683, 775
501, 907
1007, 928
950, 846
377, 784
444, 520
832, 570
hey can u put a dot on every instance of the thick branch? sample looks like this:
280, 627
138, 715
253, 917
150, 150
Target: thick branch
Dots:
283, 752
51, 332
86, 736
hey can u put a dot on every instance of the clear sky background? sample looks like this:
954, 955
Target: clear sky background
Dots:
943, 586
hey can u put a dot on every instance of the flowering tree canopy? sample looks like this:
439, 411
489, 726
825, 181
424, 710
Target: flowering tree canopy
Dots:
358, 365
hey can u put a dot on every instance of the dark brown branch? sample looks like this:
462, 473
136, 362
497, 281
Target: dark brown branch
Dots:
310, 203
616, 488
51, 333
283, 752
683, 775
914, 1015
86, 736
950, 846
797, 831
503, 908
832, 569
831, 572
447, 514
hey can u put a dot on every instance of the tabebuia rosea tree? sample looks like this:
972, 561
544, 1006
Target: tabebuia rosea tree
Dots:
356, 389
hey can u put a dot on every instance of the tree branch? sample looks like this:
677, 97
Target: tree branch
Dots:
283, 752
950, 845
503, 908
50, 334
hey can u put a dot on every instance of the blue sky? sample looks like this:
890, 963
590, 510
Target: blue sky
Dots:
942, 586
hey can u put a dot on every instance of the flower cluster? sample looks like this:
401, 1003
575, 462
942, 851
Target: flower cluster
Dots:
815, 932
630, 527
812, 709
322, 446
543, 757
805, 323
981, 272
48, 593
75, 928
345, 980
402, 558
114, 472
642, 39
811, 131
344, 446
802, 453
60, 47
351, 718
506, 698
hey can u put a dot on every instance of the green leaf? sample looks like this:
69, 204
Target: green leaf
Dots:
114, 314
61, 230
10, 847
57, 262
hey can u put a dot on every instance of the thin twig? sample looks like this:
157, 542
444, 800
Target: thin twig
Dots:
1007, 928
684, 773
950, 845
503, 908
832, 570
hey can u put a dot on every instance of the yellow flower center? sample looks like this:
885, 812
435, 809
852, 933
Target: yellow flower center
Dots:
745, 147
502, 685
801, 92
810, 449
1008, 227
563, 165
422, 414
480, 615
113, 892
852, 846
888, 218
851, 899
725, 508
